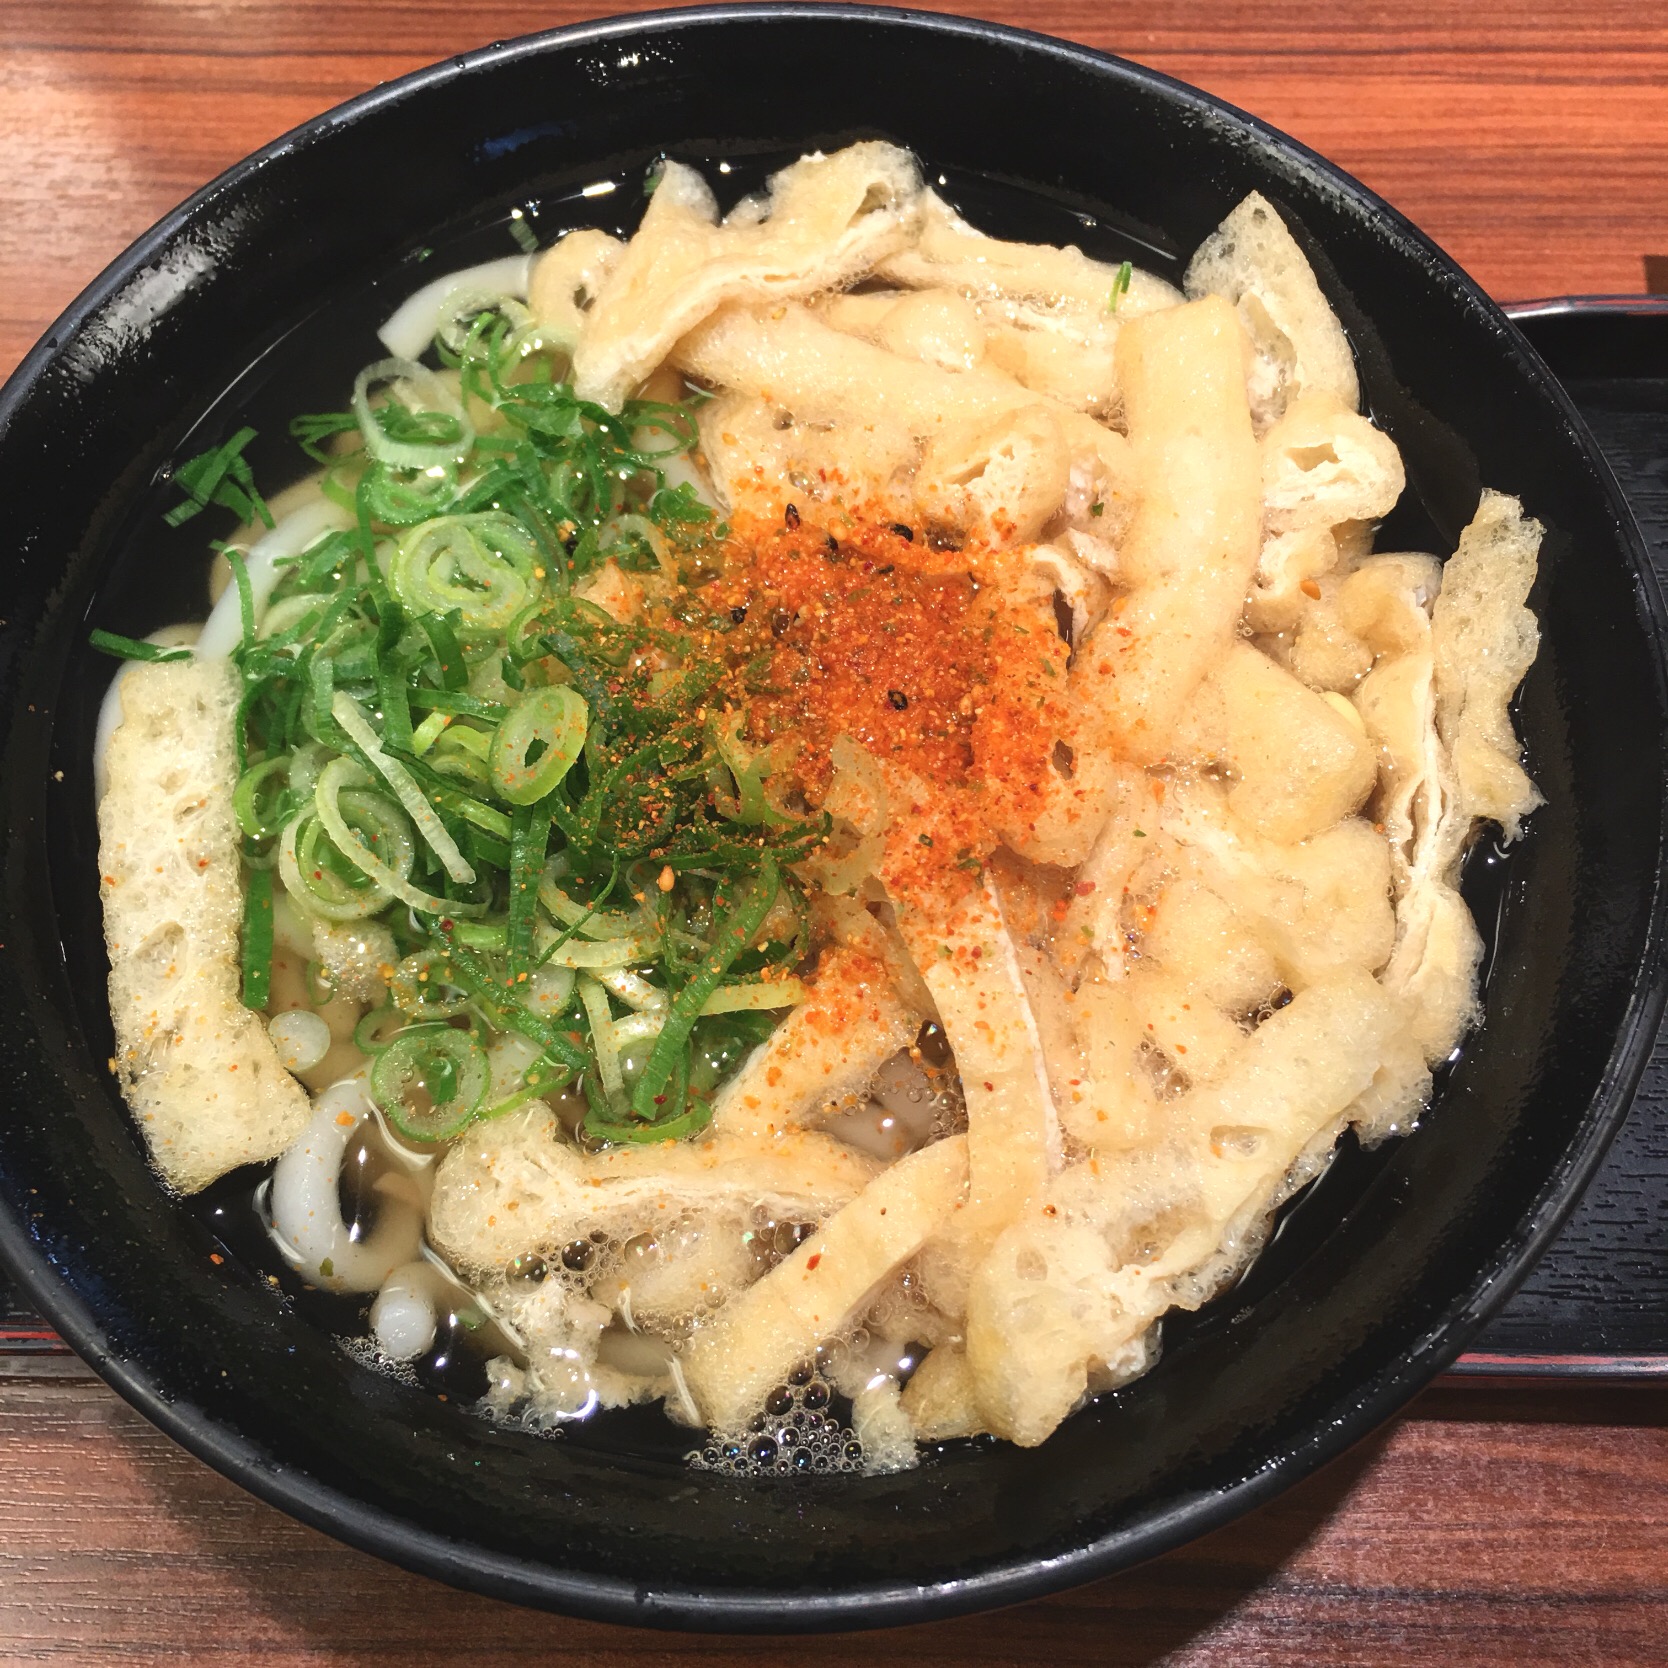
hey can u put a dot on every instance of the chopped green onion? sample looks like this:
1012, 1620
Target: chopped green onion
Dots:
378, 1028
345, 710
402, 498
484, 817
396, 708
398, 434
694, 1117
633, 989
317, 885
529, 834
334, 802
549, 991
730, 999
587, 919
1120, 286
428, 732
246, 807
257, 939
750, 804
420, 987
603, 1044
538, 744
511, 1016
595, 954
130, 648
483, 565
460, 755
311, 430
730, 937
429, 1081
639, 1027
221, 476
441, 631
458, 705
245, 596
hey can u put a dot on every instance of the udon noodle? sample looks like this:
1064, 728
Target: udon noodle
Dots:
831, 812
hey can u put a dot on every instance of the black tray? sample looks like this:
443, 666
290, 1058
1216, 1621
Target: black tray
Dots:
1597, 1303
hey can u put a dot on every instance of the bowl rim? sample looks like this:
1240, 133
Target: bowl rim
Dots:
876, 1604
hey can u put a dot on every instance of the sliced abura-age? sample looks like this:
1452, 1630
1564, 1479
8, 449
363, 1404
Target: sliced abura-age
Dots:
820, 1290
1255, 262
796, 366
951, 254
197, 1067
1484, 638
516, 1188
1451, 758
1064, 1302
823, 222
825, 1055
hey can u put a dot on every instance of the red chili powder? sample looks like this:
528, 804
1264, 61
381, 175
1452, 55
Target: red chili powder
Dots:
860, 642
867, 631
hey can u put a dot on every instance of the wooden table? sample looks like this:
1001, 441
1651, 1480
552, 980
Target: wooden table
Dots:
1499, 1525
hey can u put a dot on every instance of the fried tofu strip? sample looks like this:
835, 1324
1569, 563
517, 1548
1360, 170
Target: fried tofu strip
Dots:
732, 1364
566, 280
1116, 1104
1439, 713
1046, 316
1254, 262
795, 361
1192, 547
1324, 463
1299, 762
1484, 638
196, 1066
1068, 1293
825, 221
941, 1399
951, 254
791, 357
1012, 1139
824, 1054
1317, 905
969, 963
516, 1187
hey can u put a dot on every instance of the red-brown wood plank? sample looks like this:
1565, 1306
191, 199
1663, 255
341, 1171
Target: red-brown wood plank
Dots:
1530, 139
1530, 1528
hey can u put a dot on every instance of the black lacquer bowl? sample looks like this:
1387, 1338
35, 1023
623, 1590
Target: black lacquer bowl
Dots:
258, 297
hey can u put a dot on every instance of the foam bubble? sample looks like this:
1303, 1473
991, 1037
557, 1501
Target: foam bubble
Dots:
796, 1436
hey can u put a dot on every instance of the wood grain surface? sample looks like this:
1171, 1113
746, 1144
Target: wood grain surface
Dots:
1521, 1528
1531, 140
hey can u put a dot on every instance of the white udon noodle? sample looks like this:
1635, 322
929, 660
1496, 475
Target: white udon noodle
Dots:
306, 1209
411, 327
296, 534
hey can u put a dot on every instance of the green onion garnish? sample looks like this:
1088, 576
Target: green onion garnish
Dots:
1120, 286
221, 476
554, 813
732, 934
538, 744
130, 648
257, 939
429, 1081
